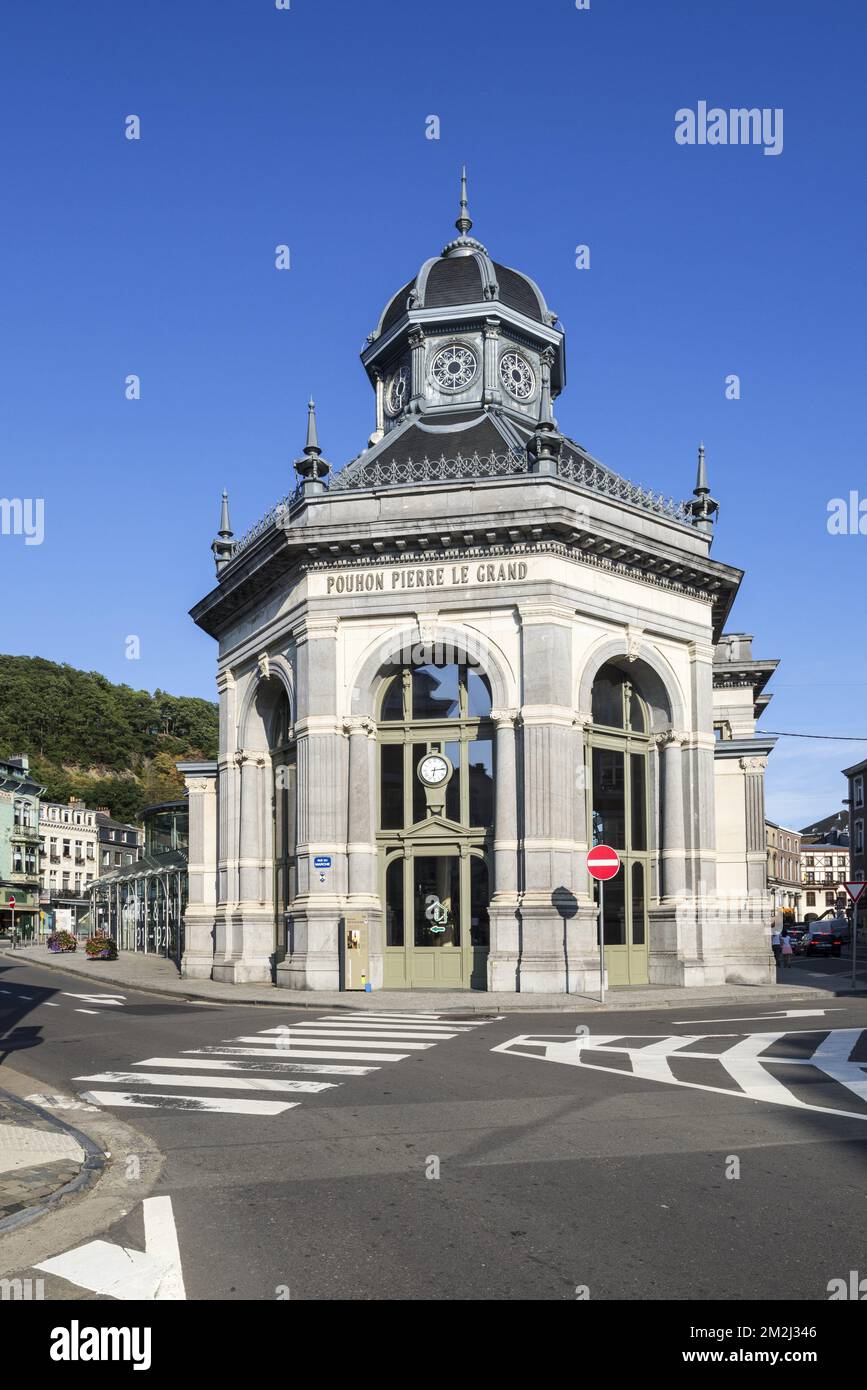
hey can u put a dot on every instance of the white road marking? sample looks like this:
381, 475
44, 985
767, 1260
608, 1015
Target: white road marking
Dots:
650, 1062
85, 1011
231, 1083
743, 1062
116, 999
155, 1100
290, 1066
758, 1018
243, 1062
314, 1030
832, 1057
126, 1274
287, 1042
49, 1005
324, 1055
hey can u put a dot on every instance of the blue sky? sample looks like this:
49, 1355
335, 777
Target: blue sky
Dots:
307, 127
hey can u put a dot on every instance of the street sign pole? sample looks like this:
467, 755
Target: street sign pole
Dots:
855, 890
601, 941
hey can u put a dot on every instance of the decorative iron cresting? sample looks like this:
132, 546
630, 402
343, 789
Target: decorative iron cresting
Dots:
389, 472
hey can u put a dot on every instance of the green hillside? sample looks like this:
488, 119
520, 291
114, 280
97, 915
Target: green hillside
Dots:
110, 744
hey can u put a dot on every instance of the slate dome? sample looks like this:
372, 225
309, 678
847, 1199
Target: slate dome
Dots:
464, 273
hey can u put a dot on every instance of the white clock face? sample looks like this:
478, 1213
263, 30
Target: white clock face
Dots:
433, 769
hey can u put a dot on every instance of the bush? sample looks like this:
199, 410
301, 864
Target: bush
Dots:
61, 941
101, 948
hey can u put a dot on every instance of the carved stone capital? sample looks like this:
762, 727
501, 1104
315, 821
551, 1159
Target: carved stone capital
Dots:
753, 767
505, 718
670, 738
360, 724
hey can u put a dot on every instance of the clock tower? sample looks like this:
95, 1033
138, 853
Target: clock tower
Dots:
465, 336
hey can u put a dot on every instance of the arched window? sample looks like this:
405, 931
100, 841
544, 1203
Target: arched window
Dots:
435, 818
283, 767
619, 790
445, 709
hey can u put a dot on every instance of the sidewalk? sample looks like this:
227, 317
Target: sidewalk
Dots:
41, 1160
153, 975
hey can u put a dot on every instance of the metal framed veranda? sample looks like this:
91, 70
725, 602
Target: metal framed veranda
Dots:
143, 909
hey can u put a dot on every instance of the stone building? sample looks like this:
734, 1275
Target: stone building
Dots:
447, 669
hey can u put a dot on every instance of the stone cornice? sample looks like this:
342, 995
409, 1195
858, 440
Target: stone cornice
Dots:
410, 556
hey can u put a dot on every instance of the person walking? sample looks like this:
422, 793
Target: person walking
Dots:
786, 951
776, 941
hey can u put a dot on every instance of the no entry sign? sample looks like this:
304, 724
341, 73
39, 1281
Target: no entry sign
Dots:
603, 862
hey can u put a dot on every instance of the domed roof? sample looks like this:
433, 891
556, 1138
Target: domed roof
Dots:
464, 273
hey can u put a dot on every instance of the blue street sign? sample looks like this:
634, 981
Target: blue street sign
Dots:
322, 861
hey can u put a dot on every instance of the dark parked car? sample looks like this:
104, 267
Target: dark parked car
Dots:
822, 939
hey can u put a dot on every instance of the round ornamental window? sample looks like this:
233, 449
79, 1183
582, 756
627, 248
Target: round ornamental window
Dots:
517, 376
397, 391
454, 367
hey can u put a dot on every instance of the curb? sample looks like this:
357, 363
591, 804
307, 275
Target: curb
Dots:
92, 1167
290, 999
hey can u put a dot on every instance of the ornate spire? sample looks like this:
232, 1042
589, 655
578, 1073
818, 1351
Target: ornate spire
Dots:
546, 442
313, 467
705, 508
312, 445
464, 222
223, 546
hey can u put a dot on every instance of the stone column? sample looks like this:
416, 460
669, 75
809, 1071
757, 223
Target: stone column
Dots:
198, 958
551, 929
672, 852
361, 826
491, 383
754, 821
504, 953
416, 342
322, 792
582, 830
362, 852
506, 805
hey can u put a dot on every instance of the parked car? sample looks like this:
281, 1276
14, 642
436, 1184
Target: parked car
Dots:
823, 938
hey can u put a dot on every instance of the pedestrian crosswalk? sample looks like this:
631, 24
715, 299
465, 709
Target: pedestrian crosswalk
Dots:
824, 1070
288, 1062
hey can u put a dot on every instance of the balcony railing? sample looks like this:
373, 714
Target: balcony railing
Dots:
30, 833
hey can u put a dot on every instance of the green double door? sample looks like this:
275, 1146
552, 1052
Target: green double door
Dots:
620, 820
436, 918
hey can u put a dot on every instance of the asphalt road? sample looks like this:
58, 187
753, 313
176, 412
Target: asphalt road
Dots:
509, 1159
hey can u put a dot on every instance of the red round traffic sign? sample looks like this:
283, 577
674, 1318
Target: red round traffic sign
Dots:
11, 900
603, 862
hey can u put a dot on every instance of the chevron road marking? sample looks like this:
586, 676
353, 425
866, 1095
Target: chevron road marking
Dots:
743, 1061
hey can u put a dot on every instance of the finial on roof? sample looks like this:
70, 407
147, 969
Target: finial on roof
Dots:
225, 525
464, 222
313, 467
705, 508
312, 445
701, 478
223, 546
